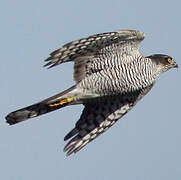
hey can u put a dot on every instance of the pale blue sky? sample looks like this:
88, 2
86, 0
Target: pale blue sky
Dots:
144, 145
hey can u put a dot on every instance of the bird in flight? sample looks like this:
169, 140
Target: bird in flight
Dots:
111, 76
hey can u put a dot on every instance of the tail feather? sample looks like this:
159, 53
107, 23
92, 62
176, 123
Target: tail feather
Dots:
56, 102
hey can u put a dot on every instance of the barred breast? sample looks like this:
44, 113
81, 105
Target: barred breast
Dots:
120, 77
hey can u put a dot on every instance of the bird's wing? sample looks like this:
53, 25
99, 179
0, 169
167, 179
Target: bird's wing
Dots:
99, 47
98, 116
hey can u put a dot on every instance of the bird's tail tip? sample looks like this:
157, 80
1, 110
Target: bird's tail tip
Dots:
11, 119
20, 115
36, 110
53, 103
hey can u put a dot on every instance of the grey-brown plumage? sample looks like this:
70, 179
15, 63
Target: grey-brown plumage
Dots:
111, 76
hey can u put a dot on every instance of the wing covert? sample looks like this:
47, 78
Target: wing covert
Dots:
123, 40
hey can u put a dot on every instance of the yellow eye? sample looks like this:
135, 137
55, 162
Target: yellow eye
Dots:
170, 60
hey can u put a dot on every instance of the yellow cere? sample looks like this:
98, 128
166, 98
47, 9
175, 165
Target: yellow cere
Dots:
63, 101
170, 60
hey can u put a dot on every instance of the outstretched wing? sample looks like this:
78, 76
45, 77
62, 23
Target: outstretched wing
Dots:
98, 116
99, 47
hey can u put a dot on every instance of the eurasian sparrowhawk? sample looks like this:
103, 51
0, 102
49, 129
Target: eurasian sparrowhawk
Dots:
111, 77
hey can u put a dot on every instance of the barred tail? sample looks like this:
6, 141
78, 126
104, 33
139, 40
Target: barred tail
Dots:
53, 103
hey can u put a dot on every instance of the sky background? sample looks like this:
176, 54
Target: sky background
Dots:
144, 145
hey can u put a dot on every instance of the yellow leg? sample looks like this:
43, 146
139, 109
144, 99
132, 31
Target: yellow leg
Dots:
61, 102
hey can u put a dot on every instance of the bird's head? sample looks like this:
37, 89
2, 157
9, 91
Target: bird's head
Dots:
163, 61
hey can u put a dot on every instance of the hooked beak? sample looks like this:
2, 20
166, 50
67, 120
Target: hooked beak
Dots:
176, 66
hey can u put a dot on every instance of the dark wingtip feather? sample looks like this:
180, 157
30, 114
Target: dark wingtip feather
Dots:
69, 148
54, 64
71, 133
48, 59
48, 64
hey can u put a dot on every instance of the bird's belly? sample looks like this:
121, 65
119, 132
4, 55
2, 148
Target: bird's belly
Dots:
114, 82
104, 85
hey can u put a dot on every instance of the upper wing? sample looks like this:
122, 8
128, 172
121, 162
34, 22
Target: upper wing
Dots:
98, 116
96, 48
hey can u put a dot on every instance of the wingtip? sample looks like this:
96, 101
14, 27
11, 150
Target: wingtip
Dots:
47, 65
139, 34
48, 59
71, 134
50, 64
69, 148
